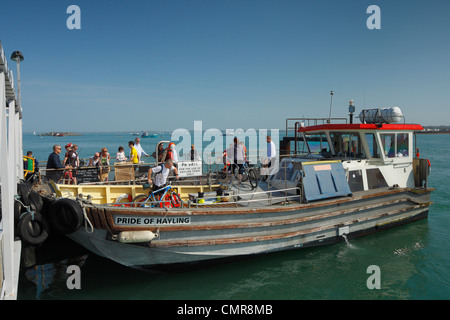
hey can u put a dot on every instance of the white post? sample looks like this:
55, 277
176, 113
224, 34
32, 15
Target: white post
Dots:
12, 156
7, 199
19, 145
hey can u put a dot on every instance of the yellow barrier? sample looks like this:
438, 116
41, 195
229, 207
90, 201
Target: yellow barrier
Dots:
29, 167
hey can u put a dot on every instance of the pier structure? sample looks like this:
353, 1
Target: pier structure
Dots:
11, 171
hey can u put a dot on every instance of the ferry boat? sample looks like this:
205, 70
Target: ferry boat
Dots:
335, 182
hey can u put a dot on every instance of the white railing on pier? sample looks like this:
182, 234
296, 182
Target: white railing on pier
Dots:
11, 166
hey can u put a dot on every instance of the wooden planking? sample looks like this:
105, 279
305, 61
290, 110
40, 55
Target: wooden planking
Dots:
262, 223
204, 242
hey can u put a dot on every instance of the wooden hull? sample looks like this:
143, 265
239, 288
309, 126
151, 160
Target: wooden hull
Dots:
201, 234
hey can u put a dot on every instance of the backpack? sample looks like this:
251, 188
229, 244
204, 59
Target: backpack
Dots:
162, 168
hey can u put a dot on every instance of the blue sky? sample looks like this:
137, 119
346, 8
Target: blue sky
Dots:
160, 65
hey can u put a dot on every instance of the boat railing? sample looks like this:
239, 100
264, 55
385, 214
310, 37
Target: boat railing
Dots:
257, 198
310, 122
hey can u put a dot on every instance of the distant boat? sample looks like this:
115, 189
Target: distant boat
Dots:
147, 135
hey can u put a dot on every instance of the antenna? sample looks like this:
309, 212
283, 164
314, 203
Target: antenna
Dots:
331, 105
364, 97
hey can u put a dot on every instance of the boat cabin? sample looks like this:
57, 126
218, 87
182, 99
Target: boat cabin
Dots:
372, 155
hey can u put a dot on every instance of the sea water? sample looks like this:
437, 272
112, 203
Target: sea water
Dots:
413, 260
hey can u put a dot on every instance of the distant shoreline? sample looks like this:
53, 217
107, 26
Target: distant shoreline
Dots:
58, 134
433, 132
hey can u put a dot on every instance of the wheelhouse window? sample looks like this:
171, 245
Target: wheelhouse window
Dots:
373, 146
402, 145
318, 143
347, 144
395, 145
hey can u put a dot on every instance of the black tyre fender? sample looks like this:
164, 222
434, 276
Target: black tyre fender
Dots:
36, 202
24, 189
17, 212
66, 215
33, 228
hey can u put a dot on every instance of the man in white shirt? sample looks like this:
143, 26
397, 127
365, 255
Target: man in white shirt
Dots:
162, 172
271, 156
140, 151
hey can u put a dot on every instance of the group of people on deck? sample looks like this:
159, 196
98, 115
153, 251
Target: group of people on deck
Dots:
235, 156
102, 159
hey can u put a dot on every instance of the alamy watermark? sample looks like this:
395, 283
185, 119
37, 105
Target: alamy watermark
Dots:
74, 280
212, 143
74, 20
374, 21
374, 280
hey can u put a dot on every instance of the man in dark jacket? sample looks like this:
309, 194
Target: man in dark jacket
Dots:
54, 162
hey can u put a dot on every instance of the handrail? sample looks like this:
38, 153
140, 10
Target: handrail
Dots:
239, 195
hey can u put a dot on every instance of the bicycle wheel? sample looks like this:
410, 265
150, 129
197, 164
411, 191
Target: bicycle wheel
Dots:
138, 200
223, 174
252, 178
244, 174
176, 200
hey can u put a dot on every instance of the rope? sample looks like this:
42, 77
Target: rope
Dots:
16, 198
86, 219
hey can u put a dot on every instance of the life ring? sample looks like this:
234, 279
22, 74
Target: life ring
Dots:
33, 228
119, 199
66, 215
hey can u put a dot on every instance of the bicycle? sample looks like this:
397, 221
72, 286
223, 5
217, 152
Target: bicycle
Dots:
248, 173
166, 197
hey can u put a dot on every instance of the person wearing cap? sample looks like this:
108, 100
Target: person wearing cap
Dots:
68, 147
72, 158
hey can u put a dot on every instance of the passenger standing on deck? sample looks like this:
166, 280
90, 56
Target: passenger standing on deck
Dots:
104, 162
140, 151
73, 161
174, 155
162, 172
94, 160
68, 147
235, 154
134, 156
271, 156
71, 158
120, 156
194, 154
30, 164
54, 162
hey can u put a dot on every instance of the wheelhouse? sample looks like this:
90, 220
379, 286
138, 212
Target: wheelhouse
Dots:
372, 155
